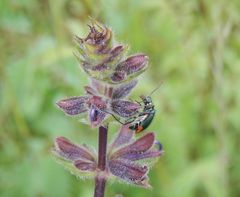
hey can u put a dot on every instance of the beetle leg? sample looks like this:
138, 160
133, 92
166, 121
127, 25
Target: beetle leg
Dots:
123, 123
117, 119
130, 120
139, 102
114, 117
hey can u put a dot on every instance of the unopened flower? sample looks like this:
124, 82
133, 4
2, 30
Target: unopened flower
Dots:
79, 160
128, 159
105, 60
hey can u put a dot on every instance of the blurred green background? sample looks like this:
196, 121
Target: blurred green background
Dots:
194, 48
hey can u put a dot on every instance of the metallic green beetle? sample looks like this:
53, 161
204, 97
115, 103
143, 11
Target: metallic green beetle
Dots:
144, 118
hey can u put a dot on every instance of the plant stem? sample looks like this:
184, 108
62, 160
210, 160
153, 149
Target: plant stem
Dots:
99, 187
100, 182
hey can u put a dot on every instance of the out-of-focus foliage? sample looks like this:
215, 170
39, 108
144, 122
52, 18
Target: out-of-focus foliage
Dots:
194, 48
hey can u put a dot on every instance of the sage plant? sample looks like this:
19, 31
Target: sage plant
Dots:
112, 76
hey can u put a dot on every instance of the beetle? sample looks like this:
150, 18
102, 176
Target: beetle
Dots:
144, 118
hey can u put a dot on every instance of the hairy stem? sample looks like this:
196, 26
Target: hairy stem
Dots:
100, 181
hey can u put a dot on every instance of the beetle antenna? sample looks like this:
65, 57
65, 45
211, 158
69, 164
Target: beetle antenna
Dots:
123, 123
155, 89
115, 117
151, 93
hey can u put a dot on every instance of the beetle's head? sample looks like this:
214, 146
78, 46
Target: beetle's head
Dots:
147, 100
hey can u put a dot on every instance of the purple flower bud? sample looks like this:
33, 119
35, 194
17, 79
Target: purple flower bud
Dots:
133, 64
73, 106
125, 108
97, 110
128, 171
96, 116
116, 52
70, 151
115, 55
140, 146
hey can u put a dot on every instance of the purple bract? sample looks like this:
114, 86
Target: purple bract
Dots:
124, 156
